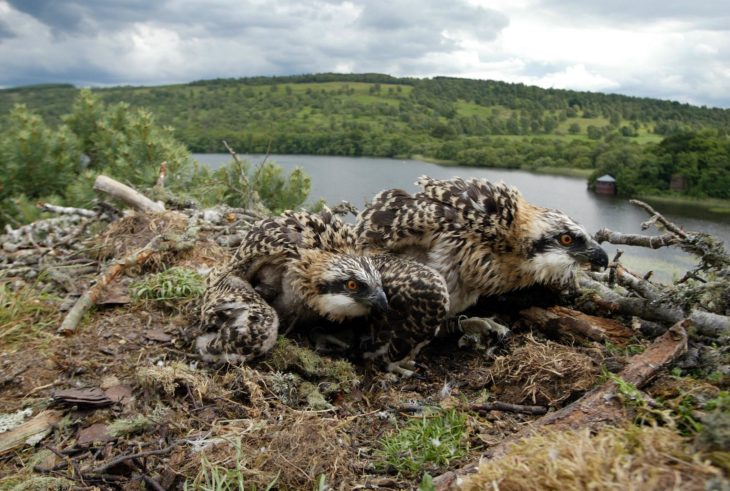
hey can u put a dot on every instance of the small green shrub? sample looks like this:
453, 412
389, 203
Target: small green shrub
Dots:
169, 286
424, 444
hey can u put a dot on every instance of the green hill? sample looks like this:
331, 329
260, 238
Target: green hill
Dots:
469, 122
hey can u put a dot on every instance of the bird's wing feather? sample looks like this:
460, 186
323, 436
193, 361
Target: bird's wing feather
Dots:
396, 219
276, 240
478, 202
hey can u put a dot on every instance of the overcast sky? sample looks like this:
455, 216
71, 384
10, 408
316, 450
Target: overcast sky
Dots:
668, 49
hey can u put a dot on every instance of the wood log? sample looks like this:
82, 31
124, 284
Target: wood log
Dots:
600, 406
127, 195
30, 432
565, 320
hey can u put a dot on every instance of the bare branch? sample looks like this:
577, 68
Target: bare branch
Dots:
127, 195
66, 210
651, 241
658, 217
89, 298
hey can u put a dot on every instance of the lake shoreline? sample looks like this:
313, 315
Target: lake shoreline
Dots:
714, 205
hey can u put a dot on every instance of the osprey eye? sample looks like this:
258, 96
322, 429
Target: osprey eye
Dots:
351, 285
566, 239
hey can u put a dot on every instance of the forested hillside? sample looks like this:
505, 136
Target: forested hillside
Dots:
469, 122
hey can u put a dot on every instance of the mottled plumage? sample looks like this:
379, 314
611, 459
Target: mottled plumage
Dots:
236, 323
308, 268
483, 238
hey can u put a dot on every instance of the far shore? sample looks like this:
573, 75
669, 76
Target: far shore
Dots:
713, 205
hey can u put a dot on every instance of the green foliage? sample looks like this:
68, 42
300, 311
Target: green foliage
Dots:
469, 122
699, 158
427, 443
127, 144
35, 163
426, 483
244, 186
171, 285
38, 163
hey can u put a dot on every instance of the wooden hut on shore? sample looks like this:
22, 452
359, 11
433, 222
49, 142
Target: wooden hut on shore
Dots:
606, 185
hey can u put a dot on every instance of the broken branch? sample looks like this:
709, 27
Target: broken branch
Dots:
127, 195
88, 299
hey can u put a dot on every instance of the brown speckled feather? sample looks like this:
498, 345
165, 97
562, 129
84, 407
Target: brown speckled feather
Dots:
483, 238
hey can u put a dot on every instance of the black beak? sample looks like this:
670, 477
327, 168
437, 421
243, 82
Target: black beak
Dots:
379, 301
598, 257
594, 254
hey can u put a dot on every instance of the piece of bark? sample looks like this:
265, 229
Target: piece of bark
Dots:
30, 432
119, 394
600, 406
159, 335
130, 197
565, 320
94, 397
88, 299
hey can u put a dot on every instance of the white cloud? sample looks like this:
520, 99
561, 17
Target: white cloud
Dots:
647, 48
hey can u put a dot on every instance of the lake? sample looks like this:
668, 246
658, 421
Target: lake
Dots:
358, 179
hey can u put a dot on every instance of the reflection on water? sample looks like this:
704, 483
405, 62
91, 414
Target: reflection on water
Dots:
358, 179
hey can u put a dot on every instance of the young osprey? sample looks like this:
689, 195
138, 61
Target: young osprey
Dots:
307, 267
236, 324
483, 238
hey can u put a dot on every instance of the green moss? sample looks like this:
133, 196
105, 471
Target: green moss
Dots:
43, 483
332, 375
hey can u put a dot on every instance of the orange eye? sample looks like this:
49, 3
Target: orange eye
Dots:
351, 285
566, 239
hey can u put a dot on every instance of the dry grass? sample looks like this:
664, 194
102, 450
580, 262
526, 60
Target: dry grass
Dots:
168, 379
636, 458
26, 315
544, 372
293, 452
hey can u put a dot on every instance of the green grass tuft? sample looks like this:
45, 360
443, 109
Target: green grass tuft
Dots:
425, 444
169, 286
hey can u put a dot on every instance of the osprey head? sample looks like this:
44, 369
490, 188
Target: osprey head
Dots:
343, 285
557, 246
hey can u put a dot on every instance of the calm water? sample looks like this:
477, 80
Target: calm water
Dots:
358, 179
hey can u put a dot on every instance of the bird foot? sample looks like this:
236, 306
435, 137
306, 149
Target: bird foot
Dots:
329, 343
476, 329
403, 368
406, 366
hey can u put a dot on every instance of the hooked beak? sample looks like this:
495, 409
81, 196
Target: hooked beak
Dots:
379, 301
593, 254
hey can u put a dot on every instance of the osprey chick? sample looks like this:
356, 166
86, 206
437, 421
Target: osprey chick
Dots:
483, 238
306, 267
237, 324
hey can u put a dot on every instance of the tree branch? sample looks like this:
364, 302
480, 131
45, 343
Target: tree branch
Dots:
89, 298
127, 195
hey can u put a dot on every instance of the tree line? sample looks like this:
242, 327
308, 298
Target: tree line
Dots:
467, 122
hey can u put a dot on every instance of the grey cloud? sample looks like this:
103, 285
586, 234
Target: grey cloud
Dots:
142, 42
6, 32
66, 18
